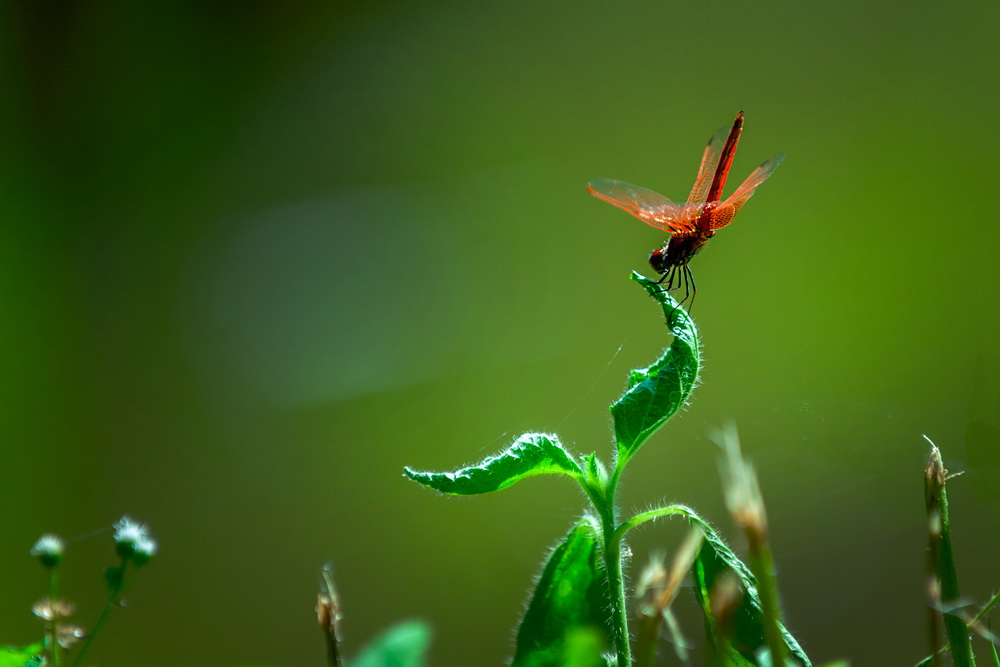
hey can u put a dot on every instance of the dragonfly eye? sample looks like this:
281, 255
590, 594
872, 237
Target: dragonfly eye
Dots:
658, 260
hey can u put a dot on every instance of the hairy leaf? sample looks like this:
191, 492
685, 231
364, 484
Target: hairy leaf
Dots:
742, 639
569, 610
531, 454
656, 393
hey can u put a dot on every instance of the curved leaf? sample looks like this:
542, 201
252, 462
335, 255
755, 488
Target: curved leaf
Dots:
531, 454
656, 393
744, 639
567, 621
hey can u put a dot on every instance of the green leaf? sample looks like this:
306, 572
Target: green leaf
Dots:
656, 393
596, 475
583, 649
569, 610
28, 656
743, 641
403, 645
531, 454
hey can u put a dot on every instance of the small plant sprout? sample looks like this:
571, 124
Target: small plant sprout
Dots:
578, 608
946, 606
943, 589
328, 614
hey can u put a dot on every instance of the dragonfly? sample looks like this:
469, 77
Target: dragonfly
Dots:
692, 223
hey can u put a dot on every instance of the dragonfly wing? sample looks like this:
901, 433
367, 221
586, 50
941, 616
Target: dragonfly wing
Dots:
651, 207
724, 213
709, 162
692, 210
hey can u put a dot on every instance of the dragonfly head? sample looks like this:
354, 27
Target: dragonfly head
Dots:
660, 260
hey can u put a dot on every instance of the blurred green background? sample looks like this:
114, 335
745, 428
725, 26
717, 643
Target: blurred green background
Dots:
256, 257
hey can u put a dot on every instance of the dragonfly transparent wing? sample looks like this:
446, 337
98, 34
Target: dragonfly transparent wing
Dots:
709, 161
724, 213
651, 207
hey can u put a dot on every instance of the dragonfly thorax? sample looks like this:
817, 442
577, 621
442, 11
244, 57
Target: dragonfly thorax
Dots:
678, 251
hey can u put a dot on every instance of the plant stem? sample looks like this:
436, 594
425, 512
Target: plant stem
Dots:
332, 653
618, 604
601, 493
616, 586
669, 510
114, 595
613, 536
50, 625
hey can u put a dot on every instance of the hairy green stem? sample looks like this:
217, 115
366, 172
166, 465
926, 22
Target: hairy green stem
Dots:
613, 535
643, 517
619, 609
601, 493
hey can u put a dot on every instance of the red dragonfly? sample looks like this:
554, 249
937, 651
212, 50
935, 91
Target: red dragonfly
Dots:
692, 223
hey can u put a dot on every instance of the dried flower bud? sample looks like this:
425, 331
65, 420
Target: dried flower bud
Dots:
69, 635
52, 610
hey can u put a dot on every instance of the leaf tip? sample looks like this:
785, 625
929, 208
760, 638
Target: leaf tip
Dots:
638, 277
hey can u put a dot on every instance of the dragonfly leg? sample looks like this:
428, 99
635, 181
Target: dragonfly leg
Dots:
672, 278
690, 286
669, 277
683, 282
684, 277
